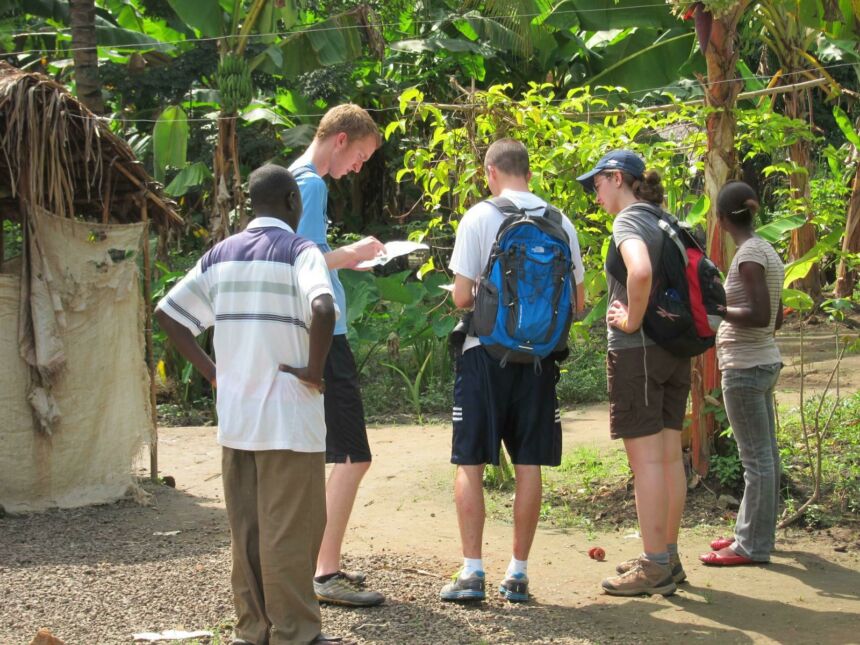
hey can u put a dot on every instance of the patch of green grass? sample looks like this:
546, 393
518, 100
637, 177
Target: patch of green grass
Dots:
588, 466
840, 460
587, 491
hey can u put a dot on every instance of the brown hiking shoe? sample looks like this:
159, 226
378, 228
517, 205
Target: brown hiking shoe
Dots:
645, 577
678, 573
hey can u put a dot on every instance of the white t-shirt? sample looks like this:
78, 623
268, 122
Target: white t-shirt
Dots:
477, 232
257, 287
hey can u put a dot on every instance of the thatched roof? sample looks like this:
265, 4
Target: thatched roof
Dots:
56, 154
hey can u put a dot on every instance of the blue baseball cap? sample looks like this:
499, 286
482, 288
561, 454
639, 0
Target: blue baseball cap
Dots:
623, 160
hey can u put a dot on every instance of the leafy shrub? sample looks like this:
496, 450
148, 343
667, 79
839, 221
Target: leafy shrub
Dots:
728, 470
583, 374
840, 465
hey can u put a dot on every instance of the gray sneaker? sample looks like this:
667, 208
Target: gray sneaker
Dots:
469, 587
338, 590
515, 588
355, 577
645, 577
678, 573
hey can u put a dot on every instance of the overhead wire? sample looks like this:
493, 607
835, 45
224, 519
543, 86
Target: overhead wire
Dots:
465, 106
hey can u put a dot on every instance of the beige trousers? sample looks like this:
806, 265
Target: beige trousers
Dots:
276, 509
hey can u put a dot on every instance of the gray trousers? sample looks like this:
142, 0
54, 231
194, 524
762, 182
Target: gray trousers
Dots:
276, 509
748, 395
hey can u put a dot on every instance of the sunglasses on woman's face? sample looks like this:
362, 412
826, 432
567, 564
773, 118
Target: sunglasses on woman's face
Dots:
604, 177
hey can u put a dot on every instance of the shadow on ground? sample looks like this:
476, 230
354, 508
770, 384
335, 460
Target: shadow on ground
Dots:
124, 532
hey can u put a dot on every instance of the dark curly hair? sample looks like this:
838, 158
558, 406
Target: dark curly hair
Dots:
738, 203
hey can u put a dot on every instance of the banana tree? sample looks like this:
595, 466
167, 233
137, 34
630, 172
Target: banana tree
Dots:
308, 43
569, 43
846, 274
716, 23
790, 30
624, 43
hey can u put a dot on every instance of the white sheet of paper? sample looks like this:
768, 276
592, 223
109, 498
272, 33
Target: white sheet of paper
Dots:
392, 250
170, 635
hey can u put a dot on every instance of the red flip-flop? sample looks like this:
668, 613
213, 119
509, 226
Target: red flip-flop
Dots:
721, 543
725, 558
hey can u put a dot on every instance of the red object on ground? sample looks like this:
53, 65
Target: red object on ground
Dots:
597, 553
721, 543
725, 558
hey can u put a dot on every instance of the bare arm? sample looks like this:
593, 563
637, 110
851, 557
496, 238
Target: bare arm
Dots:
322, 326
186, 345
580, 299
628, 318
757, 312
347, 257
464, 294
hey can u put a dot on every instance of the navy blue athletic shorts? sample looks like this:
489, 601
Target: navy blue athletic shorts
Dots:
346, 432
511, 404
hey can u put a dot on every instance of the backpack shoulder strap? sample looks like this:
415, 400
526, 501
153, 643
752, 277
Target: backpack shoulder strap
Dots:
553, 214
652, 209
615, 261
505, 206
667, 223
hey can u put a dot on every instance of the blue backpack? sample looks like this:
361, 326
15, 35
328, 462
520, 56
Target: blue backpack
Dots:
523, 306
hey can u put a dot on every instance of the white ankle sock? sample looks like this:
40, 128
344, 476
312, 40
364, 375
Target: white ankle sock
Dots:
518, 566
470, 565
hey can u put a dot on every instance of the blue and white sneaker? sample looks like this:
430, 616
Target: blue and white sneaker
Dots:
462, 587
515, 588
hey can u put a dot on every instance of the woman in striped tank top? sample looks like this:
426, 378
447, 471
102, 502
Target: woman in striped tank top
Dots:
750, 363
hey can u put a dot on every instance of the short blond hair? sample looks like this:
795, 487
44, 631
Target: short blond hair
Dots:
350, 119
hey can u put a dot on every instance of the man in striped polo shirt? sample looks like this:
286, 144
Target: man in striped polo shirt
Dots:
268, 294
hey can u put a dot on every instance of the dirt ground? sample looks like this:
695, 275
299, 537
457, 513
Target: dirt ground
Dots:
96, 575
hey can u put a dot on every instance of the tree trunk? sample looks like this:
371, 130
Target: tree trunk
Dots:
846, 277
228, 181
721, 164
803, 238
82, 15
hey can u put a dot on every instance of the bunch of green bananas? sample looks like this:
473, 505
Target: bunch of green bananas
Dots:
234, 83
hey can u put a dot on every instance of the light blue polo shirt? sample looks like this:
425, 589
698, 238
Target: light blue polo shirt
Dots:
314, 224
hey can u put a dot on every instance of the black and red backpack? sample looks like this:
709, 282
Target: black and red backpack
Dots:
687, 300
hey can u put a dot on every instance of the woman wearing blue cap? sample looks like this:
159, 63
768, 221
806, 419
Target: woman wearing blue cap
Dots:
648, 386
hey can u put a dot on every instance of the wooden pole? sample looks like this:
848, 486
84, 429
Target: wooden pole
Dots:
147, 330
168, 211
106, 200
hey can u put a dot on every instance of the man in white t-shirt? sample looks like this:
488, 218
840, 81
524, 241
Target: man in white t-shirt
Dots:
267, 292
515, 403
